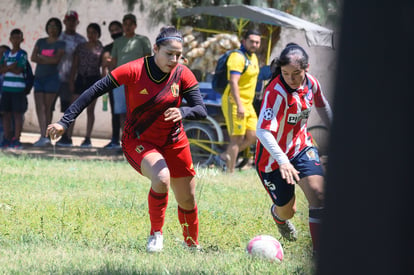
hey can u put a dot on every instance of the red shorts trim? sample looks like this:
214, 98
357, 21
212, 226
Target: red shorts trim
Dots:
177, 157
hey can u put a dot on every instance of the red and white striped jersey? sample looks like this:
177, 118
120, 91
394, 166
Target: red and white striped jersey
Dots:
285, 113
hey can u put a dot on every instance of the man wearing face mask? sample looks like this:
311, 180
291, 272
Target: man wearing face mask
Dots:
128, 47
115, 29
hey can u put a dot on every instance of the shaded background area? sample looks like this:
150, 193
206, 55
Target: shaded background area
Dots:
97, 152
368, 228
31, 17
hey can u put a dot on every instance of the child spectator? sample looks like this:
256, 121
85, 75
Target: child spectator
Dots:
13, 103
3, 49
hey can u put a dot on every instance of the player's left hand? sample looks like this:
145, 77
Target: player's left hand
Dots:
289, 173
173, 114
55, 131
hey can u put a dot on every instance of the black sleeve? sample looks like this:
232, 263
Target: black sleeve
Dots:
100, 87
195, 108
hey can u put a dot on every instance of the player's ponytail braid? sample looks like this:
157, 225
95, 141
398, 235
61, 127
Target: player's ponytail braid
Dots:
168, 33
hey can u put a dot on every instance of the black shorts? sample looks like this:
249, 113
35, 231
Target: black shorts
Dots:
84, 82
306, 162
13, 102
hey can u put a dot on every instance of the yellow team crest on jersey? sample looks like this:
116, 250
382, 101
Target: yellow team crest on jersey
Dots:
175, 89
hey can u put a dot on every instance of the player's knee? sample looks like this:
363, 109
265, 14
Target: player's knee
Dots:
187, 203
162, 179
318, 196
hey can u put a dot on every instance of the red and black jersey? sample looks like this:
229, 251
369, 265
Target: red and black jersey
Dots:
149, 92
148, 98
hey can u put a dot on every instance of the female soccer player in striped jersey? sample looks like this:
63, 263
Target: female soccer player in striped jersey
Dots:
154, 141
284, 153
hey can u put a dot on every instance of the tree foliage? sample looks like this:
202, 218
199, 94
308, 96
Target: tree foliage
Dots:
323, 12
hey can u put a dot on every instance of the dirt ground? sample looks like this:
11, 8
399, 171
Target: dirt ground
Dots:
97, 152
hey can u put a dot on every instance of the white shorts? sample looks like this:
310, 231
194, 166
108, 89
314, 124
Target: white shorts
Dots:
119, 100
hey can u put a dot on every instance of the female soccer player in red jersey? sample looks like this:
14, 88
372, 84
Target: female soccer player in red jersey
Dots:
284, 153
154, 141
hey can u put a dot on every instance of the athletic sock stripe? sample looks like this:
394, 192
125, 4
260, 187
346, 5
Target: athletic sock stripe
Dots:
314, 220
187, 211
277, 221
316, 213
156, 195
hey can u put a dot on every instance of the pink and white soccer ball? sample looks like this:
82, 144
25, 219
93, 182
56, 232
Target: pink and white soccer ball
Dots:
266, 247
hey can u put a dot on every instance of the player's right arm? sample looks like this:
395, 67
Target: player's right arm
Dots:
100, 87
287, 170
271, 114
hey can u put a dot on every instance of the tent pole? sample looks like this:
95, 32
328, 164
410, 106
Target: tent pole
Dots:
241, 24
269, 44
178, 23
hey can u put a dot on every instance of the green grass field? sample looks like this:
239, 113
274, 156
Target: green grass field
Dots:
91, 217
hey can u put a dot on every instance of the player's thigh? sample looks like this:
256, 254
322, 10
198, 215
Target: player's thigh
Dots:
311, 174
307, 162
179, 160
278, 189
154, 167
146, 159
281, 193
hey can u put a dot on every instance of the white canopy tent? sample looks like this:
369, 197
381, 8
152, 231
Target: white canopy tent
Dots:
315, 35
